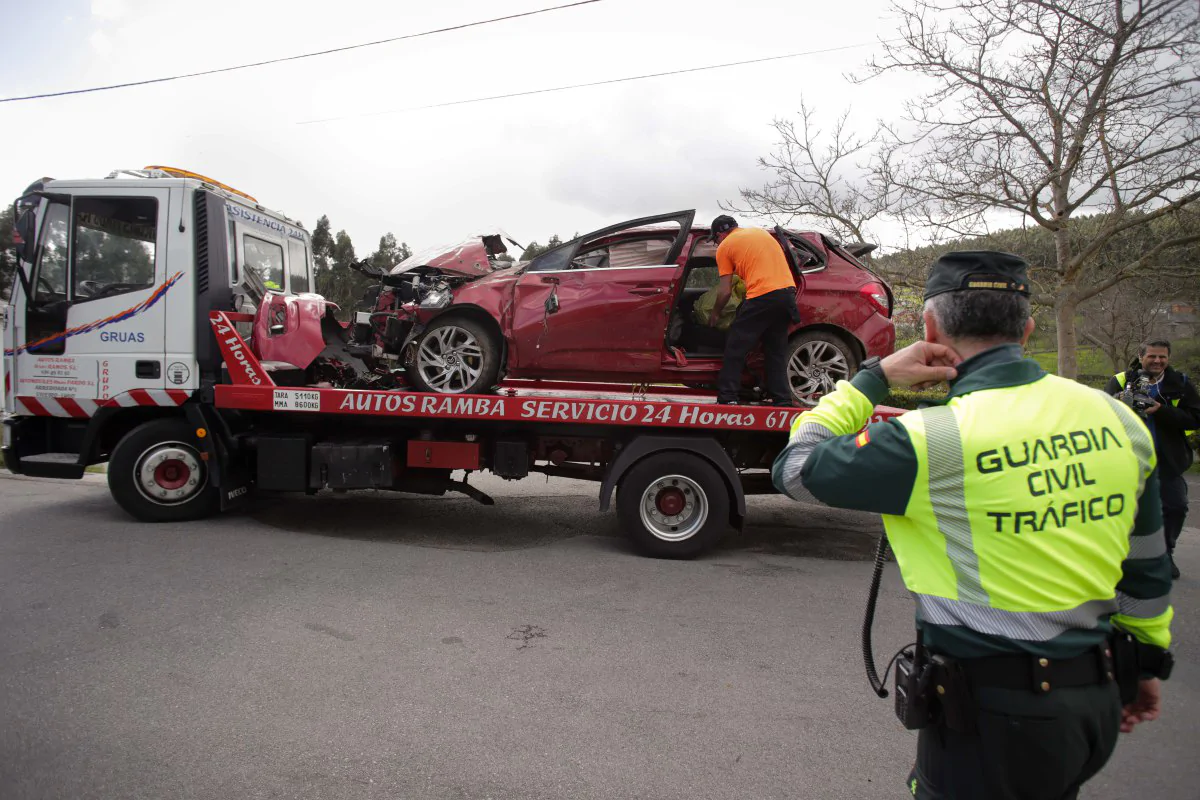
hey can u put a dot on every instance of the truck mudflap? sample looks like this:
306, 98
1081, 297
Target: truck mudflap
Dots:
221, 452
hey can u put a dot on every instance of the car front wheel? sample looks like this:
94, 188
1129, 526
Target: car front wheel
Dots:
455, 356
816, 362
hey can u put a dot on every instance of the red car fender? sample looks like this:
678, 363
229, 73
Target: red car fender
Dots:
301, 340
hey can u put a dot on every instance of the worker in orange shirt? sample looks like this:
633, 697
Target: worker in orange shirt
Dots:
755, 256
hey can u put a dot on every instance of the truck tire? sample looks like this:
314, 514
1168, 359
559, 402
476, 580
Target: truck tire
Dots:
456, 355
673, 505
157, 475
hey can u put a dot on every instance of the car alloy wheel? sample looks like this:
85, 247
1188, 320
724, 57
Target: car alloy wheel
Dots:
815, 368
450, 359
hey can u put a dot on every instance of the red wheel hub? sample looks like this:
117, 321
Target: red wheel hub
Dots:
670, 502
172, 474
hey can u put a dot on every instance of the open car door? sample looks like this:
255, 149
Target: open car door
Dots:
599, 305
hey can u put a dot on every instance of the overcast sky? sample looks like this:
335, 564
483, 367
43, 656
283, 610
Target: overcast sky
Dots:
553, 163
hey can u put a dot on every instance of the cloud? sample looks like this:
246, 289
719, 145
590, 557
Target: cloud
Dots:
101, 43
648, 154
110, 9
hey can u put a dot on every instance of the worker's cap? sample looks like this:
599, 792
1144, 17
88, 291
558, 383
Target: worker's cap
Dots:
978, 269
723, 223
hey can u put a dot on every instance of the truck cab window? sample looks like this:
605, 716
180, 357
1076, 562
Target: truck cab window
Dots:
298, 266
266, 259
114, 246
50, 281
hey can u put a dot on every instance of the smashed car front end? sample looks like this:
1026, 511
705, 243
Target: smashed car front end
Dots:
419, 289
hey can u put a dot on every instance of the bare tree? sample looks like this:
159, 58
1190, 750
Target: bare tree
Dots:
833, 177
1119, 320
1041, 110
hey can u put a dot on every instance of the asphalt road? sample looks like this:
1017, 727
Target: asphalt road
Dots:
376, 646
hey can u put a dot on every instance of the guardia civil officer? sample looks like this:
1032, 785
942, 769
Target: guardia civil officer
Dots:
1015, 511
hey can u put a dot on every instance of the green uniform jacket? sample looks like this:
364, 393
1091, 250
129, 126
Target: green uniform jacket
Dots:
1014, 507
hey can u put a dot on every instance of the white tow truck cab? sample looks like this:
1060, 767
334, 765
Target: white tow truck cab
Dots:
110, 301
164, 323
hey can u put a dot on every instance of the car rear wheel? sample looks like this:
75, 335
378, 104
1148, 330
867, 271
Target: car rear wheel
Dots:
673, 505
817, 360
456, 356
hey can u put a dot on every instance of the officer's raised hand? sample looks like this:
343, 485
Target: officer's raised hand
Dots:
920, 365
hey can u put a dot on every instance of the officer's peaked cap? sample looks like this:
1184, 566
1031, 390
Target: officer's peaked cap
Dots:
978, 269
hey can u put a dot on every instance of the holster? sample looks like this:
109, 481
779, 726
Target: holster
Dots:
956, 702
1125, 664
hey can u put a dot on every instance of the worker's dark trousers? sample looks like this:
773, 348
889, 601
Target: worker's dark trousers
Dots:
1028, 746
764, 318
1174, 494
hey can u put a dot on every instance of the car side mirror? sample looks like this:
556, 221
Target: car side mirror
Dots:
552, 303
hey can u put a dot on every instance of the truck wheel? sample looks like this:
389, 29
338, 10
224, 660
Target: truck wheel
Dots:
456, 356
673, 505
157, 475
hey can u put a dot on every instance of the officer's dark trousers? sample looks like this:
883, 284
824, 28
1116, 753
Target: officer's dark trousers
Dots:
1174, 493
1028, 746
764, 318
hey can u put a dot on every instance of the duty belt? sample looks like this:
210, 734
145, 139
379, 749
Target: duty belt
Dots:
1041, 675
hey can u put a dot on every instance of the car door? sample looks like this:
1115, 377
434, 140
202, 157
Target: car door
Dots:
103, 261
600, 303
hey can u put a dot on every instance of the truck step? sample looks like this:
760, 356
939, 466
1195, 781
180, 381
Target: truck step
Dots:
52, 465
51, 458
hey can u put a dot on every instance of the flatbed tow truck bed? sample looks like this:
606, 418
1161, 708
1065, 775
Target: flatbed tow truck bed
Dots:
681, 465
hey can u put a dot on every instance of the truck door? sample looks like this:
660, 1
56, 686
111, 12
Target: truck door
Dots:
95, 326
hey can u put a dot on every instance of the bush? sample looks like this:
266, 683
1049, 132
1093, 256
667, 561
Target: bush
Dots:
910, 399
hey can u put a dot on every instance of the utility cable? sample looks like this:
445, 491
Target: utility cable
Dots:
593, 83
297, 57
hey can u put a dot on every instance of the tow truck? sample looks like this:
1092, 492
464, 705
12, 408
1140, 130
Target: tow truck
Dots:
162, 322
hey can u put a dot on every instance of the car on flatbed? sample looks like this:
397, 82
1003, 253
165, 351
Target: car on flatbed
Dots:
611, 305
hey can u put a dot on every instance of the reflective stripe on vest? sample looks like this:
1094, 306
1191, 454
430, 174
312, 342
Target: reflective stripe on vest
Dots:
1022, 510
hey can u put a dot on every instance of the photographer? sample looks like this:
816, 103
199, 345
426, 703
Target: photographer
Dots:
1169, 405
1013, 511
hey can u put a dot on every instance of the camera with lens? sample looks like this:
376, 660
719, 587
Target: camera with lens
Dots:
1137, 393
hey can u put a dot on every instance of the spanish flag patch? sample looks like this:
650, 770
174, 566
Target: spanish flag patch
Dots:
862, 439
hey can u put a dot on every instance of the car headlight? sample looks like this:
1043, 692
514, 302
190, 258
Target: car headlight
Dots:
438, 298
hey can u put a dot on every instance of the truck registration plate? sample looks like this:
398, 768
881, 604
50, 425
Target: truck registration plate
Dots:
291, 400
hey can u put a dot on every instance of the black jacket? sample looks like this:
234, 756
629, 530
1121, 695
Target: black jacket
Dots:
1171, 420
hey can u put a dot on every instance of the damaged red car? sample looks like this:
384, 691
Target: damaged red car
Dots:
613, 306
